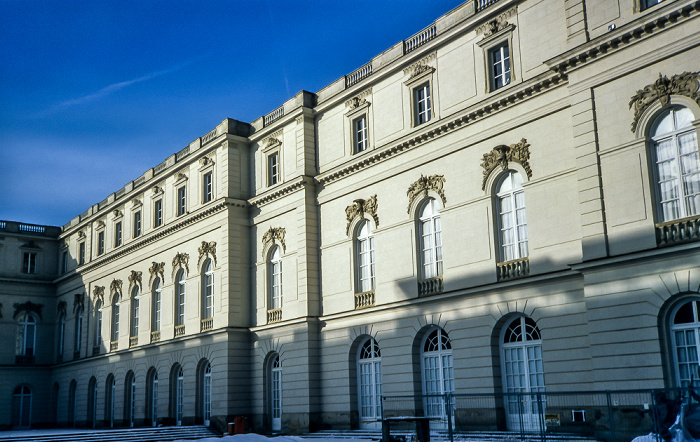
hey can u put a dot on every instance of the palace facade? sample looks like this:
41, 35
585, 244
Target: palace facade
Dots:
506, 201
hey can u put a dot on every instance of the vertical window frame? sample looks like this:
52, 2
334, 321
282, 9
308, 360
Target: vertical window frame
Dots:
273, 163
207, 186
181, 200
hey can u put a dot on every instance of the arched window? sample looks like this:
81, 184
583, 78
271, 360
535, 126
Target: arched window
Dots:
134, 332
98, 324
369, 372
438, 373
177, 387
22, 407
275, 279
110, 400
78, 330
523, 373
61, 334
208, 290
180, 298
364, 252
155, 319
92, 402
206, 393
685, 338
115, 318
130, 398
71, 401
430, 230
512, 223
677, 173
275, 396
26, 336
153, 396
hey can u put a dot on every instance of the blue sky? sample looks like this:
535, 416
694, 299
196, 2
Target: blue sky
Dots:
93, 93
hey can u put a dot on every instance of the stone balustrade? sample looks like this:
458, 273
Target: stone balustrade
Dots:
273, 116
358, 75
430, 286
207, 324
179, 330
420, 38
133, 341
364, 300
483, 4
155, 336
274, 315
517, 268
114, 345
678, 231
24, 359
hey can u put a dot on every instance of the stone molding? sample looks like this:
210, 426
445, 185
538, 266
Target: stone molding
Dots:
157, 269
359, 99
496, 24
419, 66
206, 161
98, 293
117, 213
685, 84
273, 233
358, 208
181, 260
501, 155
207, 249
278, 192
136, 202
421, 187
134, 280
28, 306
179, 176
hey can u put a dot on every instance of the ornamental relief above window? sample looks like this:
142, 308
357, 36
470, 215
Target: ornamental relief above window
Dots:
502, 155
181, 261
157, 270
420, 188
272, 235
685, 84
358, 208
207, 249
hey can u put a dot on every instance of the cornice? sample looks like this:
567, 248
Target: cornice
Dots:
279, 192
667, 16
26, 281
156, 235
507, 98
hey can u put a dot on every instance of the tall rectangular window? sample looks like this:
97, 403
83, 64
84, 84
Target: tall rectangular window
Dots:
137, 224
101, 242
64, 259
29, 263
207, 187
360, 134
181, 200
81, 253
499, 59
421, 100
273, 169
158, 213
118, 234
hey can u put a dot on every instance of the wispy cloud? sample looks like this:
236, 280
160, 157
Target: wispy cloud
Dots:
108, 90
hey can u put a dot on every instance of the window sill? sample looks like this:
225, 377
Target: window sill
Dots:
430, 286
274, 315
364, 300
207, 324
678, 231
517, 268
179, 330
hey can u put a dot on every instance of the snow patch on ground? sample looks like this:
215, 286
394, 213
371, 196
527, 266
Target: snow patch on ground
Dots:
252, 437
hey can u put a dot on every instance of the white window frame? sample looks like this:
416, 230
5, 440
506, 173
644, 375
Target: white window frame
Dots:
275, 278
157, 300
137, 229
369, 383
646, 4
154, 399
98, 323
437, 374
273, 164
422, 102
115, 317
21, 404
29, 263
179, 395
78, 333
100, 243
497, 43
208, 289
118, 237
207, 186
26, 335
181, 200
500, 66
82, 253
61, 333
508, 219
206, 394
64, 262
276, 392
180, 297
687, 334
158, 212
134, 329
430, 233
360, 134
364, 256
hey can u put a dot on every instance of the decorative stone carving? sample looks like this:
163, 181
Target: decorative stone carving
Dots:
497, 24
419, 70
98, 293
156, 189
274, 233
28, 306
81, 234
272, 142
61, 309
358, 208
136, 202
207, 249
501, 155
179, 176
116, 213
422, 62
182, 260
156, 269
685, 84
100, 224
420, 188
135, 279
359, 99
115, 286
78, 300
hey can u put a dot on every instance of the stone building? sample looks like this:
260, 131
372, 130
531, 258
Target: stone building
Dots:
508, 200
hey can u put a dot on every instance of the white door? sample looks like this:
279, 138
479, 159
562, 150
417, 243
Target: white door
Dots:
523, 376
276, 393
438, 376
369, 371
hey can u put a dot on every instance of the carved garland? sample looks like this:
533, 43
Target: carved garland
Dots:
358, 208
135, 279
422, 185
497, 24
685, 84
157, 269
115, 286
207, 249
359, 99
501, 155
182, 260
274, 233
98, 293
